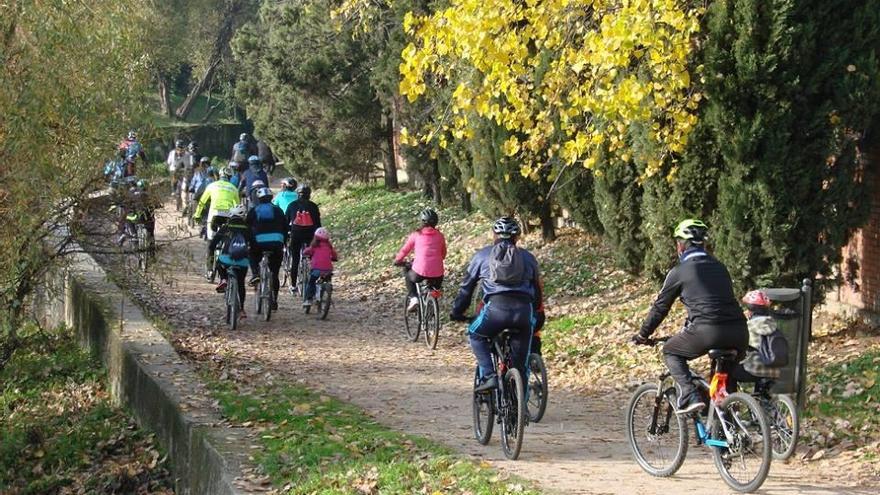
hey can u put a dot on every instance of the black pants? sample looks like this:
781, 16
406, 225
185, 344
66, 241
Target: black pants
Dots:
297, 242
695, 341
412, 278
276, 254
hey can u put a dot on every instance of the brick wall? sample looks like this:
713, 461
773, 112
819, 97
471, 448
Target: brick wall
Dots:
861, 257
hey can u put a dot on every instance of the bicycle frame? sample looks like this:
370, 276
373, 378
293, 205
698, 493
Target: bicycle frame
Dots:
423, 292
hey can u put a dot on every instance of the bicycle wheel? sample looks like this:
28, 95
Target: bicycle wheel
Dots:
232, 300
142, 248
784, 422
431, 321
537, 402
660, 446
412, 321
324, 300
745, 462
266, 290
285, 267
484, 413
513, 413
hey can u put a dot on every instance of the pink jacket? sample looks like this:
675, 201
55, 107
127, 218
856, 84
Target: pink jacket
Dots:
323, 255
430, 250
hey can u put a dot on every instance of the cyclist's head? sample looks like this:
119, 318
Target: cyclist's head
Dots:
243, 137
238, 211
192, 146
757, 302
254, 161
141, 185
227, 173
233, 166
304, 191
264, 194
691, 232
179, 144
132, 135
322, 234
429, 217
506, 228
288, 183
205, 161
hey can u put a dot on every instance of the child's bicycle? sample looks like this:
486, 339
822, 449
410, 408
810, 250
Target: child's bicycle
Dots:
324, 293
735, 428
427, 317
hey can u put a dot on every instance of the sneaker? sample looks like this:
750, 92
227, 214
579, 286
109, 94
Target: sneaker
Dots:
254, 281
487, 384
292, 289
221, 287
690, 403
274, 305
242, 315
413, 302
307, 303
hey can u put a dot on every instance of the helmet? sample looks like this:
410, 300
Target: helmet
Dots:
304, 191
178, 143
141, 184
505, 228
253, 159
233, 165
192, 146
243, 136
227, 173
257, 184
429, 217
692, 230
264, 192
205, 159
288, 183
756, 298
322, 234
132, 135
238, 211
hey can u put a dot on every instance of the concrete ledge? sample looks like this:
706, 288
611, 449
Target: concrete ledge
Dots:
146, 375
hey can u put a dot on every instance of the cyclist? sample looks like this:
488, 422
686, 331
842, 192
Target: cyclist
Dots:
323, 254
222, 196
266, 156
269, 226
133, 148
241, 150
511, 283
140, 209
200, 176
303, 218
114, 170
714, 320
251, 176
233, 227
235, 179
193, 157
287, 194
176, 164
430, 251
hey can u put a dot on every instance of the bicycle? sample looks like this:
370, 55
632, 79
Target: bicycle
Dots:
503, 404
136, 234
428, 313
537, 388
324, 293
302, 277
782, 414
286, 264
233, 303
265, 297
726, 430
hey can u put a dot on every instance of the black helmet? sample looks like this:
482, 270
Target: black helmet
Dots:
429, 217
304, 191
178, 143
505, 228
288, 183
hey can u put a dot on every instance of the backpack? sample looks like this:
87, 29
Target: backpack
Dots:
773, 351
237, 248
265, 212
303, 219
240, 152
506, 265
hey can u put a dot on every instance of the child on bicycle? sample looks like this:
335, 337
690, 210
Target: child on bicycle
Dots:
430, 252
323, 254
233, 234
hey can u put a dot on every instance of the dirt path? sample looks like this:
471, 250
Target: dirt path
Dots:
359, 355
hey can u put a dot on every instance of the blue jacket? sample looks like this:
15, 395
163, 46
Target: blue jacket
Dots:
250, 176
478, 270
268, 224
283, 200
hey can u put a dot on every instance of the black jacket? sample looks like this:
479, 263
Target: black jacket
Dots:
303, 205
704, 286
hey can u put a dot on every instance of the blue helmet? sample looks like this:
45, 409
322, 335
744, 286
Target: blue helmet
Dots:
253, 159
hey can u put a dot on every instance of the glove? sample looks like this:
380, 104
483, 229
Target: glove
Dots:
639, 339
455, 317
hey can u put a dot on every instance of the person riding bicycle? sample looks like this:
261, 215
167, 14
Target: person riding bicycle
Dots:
251, 177
511, 283
234, 230
176, 164
241, 150
714, 321
139, 208
114, 170
287, 194
303, 219
323, 254
193, 156
235, 178
269, 226
133, 148
430, 251
222, 196
266, 156
200, 176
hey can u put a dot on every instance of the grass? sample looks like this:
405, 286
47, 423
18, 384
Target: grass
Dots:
316, 444
59, 429
851, 390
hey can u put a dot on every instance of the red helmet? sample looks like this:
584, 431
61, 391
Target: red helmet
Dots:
756, 298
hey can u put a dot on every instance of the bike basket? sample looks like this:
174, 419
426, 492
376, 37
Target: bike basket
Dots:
718, 387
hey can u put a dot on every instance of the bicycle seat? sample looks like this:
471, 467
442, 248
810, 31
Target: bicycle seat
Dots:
723, 353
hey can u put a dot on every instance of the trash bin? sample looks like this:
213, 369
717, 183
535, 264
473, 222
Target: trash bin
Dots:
794, 316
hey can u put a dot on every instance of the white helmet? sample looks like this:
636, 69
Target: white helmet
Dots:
264, 192
238, 211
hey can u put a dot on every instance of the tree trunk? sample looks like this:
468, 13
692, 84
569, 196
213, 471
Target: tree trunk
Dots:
435, 182
548, 226
466, 201
389, 161
190, 101
164, 97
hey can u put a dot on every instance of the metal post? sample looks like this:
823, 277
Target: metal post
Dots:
806, 335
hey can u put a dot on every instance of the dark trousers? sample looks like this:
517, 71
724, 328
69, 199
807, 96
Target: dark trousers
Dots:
695, 341
412, 278
240, 274
276, 254
297, 242
502, 313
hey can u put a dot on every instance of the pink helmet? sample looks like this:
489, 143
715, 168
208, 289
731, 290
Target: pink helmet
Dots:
756, 298
322, 234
